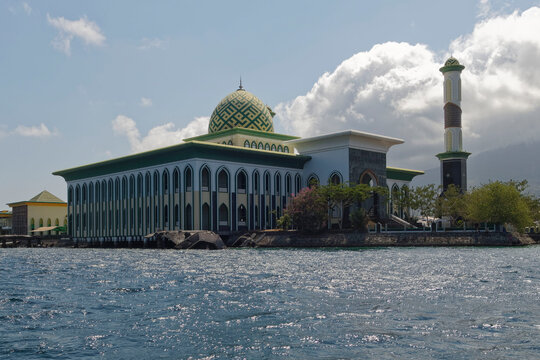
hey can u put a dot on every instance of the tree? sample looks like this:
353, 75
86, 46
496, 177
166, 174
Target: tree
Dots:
424, 199
344, 195
451, 203
499, 203
308, 210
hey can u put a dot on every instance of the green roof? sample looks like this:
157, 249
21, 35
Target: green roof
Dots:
243, 131
185, 151
453, 155
452, 64
402, 174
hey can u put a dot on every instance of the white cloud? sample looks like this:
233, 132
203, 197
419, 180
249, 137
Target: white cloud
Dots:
155, 43
159, 136
40, 131
27, 8
83, 29
396, 89
145, 102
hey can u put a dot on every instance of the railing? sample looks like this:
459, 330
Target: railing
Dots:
385, 229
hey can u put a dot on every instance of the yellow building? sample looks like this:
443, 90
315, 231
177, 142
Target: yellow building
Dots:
5, 222
42, 213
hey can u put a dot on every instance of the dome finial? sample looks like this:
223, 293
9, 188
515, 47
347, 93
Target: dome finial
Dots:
240, 87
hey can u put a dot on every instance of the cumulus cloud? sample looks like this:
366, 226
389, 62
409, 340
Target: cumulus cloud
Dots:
84, 29
159, 136
40, 131
155, 43
145, 102
396, 89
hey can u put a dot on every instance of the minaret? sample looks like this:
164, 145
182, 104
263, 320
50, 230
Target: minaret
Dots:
453, 159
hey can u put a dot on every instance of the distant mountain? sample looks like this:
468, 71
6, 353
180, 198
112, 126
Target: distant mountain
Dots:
518, 162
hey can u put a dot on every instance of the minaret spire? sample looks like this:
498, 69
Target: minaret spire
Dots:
240, 87
453, 159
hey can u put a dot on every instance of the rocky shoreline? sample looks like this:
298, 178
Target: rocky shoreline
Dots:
287, 239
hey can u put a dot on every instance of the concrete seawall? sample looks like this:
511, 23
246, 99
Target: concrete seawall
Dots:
356, 239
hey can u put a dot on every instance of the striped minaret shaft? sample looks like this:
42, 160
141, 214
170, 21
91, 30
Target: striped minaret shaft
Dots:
453, 159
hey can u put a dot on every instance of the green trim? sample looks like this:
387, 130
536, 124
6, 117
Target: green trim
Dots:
242, 131
451, 68
453, 155
402, 174
185, 151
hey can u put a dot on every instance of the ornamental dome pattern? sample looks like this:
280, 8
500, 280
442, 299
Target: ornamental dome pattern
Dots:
451, 61
241, 109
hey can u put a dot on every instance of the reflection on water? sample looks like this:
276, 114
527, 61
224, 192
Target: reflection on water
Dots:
405, 303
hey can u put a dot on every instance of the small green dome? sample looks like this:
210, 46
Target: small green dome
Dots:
241, 109
451, 61
451, 65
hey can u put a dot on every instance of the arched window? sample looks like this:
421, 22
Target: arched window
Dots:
280, 148
187, 179
156, 183
156, 217
223, 181
91, 192
98, 191
77, 195
205, 179
288, 184
246, 143
205, 224
261, 146
49, 222
267, 183
229, 142
257, 215
256, 182
84, 198
117, 189
313, 180
242, 219
40, 222
139, 185
368, 178
223, 215
176, 181
297, 183
267, 147
131, 186
110, 189
253, 145
57, 222
278, 184
395, 200
286, 149
124, 188
241, 182
147, 185
70, 195
32, 224
335, 179
165, 182
176, 217
274, 147
166, 215
187, 218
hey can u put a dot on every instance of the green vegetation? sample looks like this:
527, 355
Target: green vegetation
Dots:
497, 203
311, 209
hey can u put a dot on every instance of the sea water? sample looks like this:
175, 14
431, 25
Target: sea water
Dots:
386, 303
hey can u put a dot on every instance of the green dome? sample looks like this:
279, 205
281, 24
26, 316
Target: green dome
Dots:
451, 61
451, 65
241, 109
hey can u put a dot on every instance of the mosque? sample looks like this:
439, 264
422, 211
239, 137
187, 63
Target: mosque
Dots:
237, 177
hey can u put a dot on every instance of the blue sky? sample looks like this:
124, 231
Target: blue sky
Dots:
72, 72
